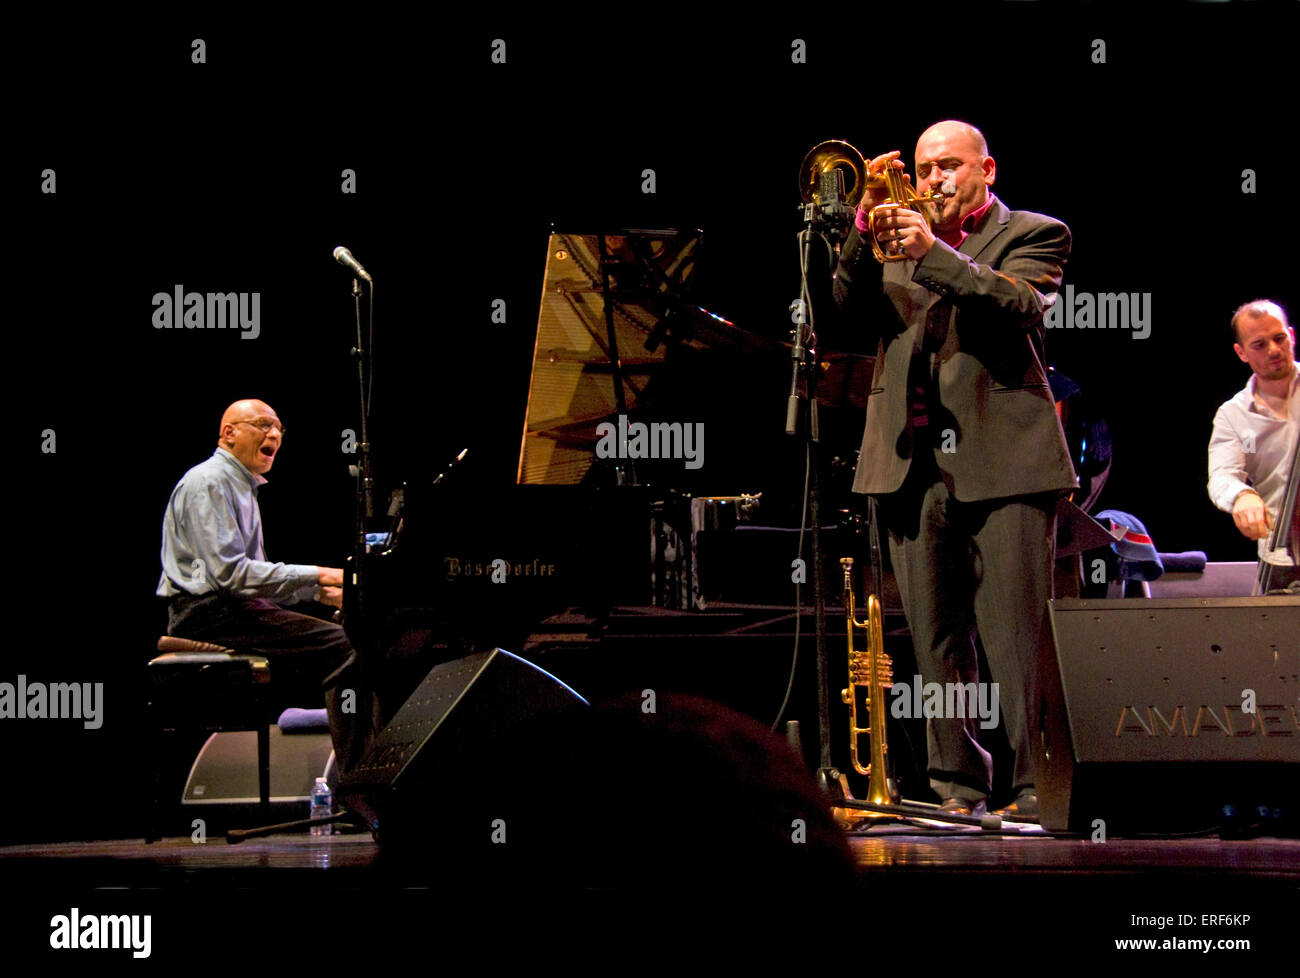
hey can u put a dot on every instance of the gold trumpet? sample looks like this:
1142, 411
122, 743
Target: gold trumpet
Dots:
873, 669
817, 177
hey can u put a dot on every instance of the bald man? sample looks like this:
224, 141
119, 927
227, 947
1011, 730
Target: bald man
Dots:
963, 449
221, 588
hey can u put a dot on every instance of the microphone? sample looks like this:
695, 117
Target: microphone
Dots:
344, 257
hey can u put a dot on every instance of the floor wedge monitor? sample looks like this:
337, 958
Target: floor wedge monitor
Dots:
464, 730
1156, 714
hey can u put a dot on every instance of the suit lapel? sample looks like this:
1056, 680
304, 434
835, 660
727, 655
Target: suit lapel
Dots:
995, 222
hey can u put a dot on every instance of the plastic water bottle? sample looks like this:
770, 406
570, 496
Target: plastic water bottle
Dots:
322, 806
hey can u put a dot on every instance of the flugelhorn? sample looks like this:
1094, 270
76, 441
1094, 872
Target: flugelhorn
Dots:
872, 669
817, 177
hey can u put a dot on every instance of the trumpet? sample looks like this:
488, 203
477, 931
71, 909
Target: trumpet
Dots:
818, 178
873, 669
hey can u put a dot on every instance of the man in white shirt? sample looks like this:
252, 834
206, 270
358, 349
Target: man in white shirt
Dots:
1255, 432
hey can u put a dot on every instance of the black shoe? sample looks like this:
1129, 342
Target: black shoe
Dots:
963, 806
1023, 809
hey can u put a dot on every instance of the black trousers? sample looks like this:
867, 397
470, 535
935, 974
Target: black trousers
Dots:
311, 660
965, 567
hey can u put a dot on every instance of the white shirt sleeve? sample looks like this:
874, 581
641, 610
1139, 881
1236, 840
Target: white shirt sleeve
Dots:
1227, 462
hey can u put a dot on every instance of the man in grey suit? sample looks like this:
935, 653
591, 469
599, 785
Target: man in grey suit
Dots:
963, 448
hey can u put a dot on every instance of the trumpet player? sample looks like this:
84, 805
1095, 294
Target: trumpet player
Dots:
963, 448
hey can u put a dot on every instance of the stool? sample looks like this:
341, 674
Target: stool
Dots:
199, 686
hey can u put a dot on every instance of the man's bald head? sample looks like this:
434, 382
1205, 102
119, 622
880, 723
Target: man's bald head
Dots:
954, 129
252, 433
247, 409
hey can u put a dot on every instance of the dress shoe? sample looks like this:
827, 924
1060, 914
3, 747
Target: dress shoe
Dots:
963, 806
1023, 809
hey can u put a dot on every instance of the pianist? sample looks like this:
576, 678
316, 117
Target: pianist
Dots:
221, 588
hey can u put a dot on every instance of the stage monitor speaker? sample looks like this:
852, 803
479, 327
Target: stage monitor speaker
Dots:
225, 772
457, 729
1158, 713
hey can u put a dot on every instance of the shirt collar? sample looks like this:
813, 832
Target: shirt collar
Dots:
253, 478
1252, 384
975, 216
969, 223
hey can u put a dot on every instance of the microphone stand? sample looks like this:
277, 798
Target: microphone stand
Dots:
819, 219
362, 472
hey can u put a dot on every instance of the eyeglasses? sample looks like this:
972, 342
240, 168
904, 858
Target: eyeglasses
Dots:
264, 425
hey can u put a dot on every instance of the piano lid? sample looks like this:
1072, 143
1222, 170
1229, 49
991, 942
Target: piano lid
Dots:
577, 381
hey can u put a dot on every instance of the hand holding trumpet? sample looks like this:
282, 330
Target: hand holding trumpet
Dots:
899, 231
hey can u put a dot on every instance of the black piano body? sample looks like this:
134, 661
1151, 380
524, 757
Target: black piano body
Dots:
475, 568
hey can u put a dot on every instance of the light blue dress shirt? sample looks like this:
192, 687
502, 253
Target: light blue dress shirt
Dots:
212, 538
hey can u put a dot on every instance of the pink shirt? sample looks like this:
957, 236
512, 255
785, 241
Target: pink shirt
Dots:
967, 225
954, 240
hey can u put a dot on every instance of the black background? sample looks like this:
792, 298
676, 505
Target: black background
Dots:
226, 177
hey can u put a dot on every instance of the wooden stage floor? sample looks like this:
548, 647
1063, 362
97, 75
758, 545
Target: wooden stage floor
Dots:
1033, 893
894, 851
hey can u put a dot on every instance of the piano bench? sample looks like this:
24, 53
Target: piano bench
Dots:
198, 686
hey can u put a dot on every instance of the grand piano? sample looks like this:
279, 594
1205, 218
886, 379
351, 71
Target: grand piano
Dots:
470, 565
